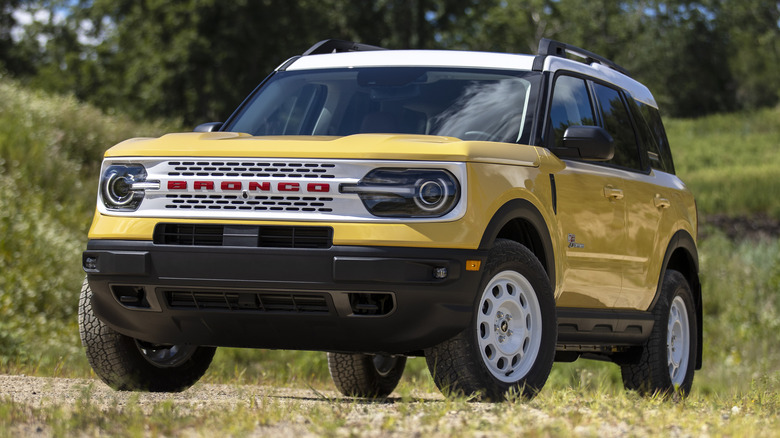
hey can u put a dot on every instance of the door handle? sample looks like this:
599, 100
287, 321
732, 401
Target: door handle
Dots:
613, 193
661, 202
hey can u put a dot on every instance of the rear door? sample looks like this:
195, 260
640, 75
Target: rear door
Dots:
650, 221
640, 196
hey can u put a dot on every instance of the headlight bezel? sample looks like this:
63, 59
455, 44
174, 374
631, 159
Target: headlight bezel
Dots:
122, 186
391, 192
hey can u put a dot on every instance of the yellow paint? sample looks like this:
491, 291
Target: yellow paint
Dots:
613, 258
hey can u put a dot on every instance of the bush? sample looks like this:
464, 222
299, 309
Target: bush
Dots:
50, 152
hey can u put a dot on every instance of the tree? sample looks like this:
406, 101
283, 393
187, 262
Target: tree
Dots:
196, 59
682, 57
12, 55
752, 29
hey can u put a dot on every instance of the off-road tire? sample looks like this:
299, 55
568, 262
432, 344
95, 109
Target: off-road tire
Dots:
652, 372
470, 364
365, 375
118, 360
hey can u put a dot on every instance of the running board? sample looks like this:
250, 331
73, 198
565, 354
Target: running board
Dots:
589, 328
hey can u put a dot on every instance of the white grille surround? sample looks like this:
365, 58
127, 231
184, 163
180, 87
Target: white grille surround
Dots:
265, 188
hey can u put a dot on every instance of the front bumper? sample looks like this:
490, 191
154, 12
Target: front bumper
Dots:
344, 298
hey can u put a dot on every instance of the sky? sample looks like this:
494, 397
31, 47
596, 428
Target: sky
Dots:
24, 17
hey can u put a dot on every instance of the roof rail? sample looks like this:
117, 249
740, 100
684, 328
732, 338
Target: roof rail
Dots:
548, 47
338, 46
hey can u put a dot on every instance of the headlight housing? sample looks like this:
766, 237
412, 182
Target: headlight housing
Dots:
122, 186
388, 192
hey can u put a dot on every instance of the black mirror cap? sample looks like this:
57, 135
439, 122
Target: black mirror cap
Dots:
208, 127
589, 143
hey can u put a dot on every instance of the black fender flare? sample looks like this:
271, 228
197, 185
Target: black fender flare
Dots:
526, 211
683, 240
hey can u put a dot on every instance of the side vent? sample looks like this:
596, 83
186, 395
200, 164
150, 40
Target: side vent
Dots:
133, 297
371, 304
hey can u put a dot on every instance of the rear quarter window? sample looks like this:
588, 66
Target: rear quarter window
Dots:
653, 134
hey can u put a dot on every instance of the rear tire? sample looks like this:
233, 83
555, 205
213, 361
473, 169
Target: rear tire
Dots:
128, 364
510, 344
365, 375
667, 360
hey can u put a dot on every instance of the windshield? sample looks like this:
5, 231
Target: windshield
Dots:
467, 104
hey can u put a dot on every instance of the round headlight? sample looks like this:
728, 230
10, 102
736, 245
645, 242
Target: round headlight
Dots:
118, 190
431, 194
116, 186
391, 192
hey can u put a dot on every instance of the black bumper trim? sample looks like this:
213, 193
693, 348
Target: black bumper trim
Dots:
371, 299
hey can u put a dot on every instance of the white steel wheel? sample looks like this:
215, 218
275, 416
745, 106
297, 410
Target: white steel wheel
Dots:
666, 363
678, 341
509, 345
509, 326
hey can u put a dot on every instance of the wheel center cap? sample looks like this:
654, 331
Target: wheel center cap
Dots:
504, 326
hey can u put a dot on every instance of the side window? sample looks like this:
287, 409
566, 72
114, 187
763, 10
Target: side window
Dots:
647, 138
653, 118
618, 123
570, 106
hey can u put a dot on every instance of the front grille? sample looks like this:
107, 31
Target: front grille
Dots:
308, 204
271, 302
251, 169
257, 236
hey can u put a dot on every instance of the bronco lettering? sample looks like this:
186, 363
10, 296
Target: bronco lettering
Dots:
263, 186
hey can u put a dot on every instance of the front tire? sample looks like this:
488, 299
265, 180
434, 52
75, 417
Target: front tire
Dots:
365, 375
668, 358
510, 343
128, 364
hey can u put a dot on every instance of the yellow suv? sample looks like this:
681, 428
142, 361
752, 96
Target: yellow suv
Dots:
491, 212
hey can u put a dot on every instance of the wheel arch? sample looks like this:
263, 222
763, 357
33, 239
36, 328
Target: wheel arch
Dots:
682, 256
520, 221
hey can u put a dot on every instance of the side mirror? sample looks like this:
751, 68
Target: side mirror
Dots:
208, 127
589, 143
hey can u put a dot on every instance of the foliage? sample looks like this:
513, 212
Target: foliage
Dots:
9, 56
82, 408
49, 152
196, 59
50, 149
730, 161
742, 307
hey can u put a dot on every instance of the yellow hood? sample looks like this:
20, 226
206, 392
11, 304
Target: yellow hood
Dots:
361, 146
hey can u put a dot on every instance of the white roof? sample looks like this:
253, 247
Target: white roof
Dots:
454, 58
636, 89
414, 58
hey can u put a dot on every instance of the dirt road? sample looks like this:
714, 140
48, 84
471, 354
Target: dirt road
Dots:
266, 411
44, 407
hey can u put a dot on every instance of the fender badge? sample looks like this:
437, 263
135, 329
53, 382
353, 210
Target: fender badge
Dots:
573, 243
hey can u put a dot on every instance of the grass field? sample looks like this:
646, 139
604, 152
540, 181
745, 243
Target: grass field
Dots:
730, 161
588, 409
50, 149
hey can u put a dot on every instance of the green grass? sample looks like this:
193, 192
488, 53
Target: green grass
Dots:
50, 150
730, 161
587, 409
741, 281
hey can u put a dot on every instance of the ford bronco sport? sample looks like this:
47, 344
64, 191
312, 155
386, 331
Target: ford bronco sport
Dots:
491, 212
